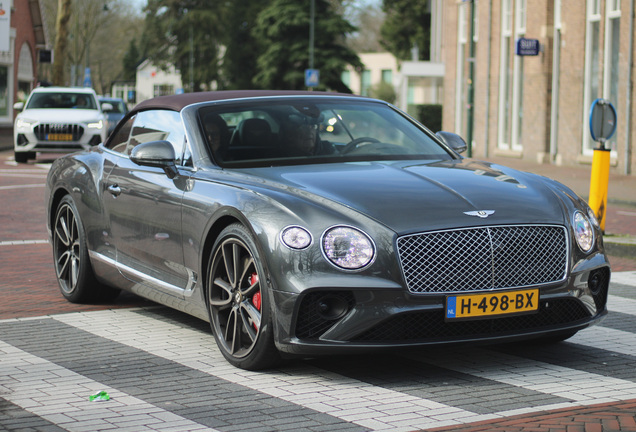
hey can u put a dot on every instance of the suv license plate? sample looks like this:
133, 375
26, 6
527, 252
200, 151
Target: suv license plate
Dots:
59, 137
492, 304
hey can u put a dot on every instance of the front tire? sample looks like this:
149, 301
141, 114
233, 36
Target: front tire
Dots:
238, 301
72, 264
23, 157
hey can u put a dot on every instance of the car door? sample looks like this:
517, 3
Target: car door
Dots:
144, 207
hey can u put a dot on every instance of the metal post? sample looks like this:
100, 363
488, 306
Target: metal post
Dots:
191, 60
312, 17
471, 81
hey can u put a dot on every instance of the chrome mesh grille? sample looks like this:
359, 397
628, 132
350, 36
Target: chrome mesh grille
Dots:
484, 258
43, 130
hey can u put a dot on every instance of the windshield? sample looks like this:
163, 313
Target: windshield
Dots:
320, 130
62, 100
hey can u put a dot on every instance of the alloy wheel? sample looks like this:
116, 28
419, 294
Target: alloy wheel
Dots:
235, 298
66, 238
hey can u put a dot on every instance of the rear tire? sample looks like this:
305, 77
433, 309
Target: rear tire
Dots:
72, 264
238, 301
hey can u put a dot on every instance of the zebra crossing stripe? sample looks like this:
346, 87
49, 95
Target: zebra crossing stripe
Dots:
358, 402
61, 397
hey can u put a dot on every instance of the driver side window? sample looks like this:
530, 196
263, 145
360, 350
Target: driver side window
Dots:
151, 125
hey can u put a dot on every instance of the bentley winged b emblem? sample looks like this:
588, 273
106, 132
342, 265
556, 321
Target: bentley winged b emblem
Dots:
480, 213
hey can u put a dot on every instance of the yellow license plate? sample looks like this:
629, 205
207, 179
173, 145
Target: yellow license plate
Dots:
60, 137
492, 304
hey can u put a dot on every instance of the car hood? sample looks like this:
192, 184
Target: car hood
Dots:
65, 115
414, 196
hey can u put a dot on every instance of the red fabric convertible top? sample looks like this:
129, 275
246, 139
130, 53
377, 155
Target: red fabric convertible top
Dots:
178, 102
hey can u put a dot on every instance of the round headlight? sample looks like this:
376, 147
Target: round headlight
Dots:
583, 231
295, 237
348, 248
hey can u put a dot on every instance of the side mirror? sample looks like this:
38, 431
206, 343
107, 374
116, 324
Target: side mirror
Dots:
158, 154
18, 106
452, 140
107, 107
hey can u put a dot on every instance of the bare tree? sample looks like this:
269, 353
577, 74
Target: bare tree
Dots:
61, 39
98, 32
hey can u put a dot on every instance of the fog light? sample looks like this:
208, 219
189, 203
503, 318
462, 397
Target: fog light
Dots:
332, 307
594, 283
22, 140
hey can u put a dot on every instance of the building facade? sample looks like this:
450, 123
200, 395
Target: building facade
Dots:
18, 65
537, 107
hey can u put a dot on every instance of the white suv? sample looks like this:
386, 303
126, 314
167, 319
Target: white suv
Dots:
58, 119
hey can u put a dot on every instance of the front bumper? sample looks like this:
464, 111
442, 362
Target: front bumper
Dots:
381, 318
29, 141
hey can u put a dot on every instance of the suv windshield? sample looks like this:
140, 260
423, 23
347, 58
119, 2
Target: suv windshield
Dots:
321, 130
61, 100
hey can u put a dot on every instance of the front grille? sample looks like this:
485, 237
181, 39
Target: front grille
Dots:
42, 131
484, 258
430, 326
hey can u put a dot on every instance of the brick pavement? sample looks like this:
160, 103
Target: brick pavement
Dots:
607, 417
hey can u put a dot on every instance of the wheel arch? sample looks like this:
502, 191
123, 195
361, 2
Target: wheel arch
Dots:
54, 203
228, 217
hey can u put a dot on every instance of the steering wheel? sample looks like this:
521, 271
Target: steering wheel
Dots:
354, 143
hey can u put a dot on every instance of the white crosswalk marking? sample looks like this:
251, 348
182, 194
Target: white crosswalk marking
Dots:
345, 398
62, 397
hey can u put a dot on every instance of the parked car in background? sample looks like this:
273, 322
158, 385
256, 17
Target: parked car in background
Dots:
58, 120
307, 223
118, 111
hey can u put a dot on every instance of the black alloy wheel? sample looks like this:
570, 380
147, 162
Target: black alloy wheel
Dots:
72, 265
238, 301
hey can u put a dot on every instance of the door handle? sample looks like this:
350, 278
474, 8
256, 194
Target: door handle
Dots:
114, 190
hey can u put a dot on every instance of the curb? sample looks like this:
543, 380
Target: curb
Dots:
620, 246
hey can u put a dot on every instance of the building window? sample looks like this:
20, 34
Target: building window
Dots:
518, 79
163, 90
365, 82
387, 76
591, 89
511, 76
345, 77
4, 91
460, 92
505, 76
612, 50
556, 67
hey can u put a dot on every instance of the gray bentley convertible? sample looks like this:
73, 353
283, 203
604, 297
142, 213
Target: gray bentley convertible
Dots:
308, 223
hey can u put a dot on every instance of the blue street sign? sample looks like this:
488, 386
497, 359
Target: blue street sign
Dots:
312, 77
88, 82
528, 47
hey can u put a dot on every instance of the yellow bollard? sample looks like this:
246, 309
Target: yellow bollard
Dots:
598, 184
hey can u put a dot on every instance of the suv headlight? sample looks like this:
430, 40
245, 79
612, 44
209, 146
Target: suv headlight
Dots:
96, 125
348, 248
583, 231
24, 123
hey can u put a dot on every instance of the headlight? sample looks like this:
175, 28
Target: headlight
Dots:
96, 125
295, 237
24, 124
583, 231
348, 248
592, 217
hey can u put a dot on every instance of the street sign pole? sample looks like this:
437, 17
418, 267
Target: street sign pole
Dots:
602, 127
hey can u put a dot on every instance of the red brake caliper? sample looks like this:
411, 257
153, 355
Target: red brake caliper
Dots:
256, 298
